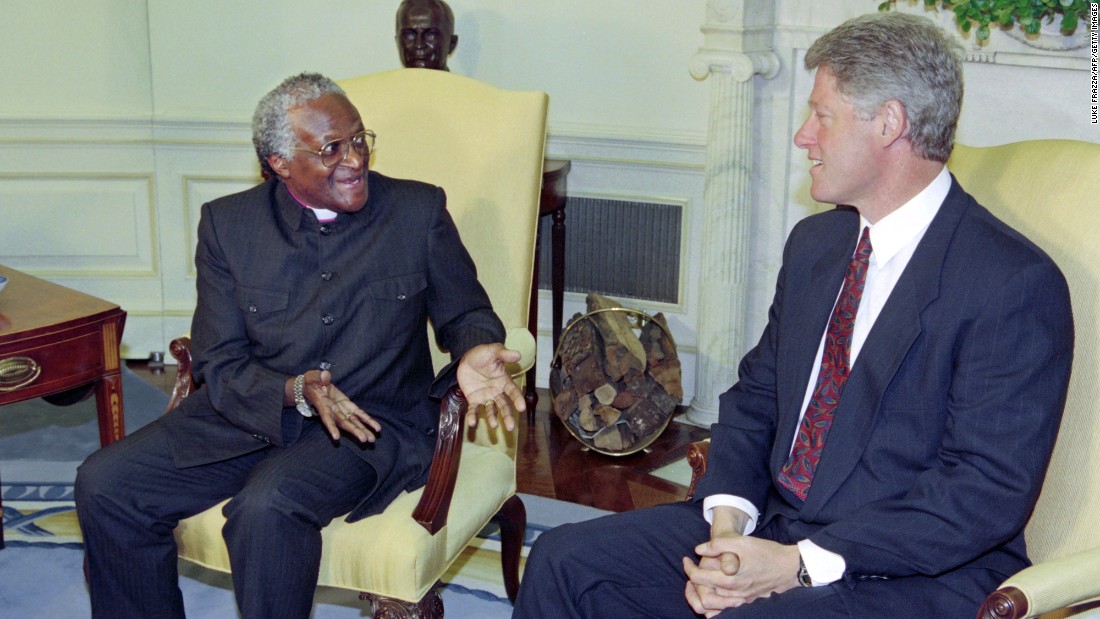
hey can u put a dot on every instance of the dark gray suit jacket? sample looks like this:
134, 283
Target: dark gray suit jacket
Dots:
942, 436
279, 294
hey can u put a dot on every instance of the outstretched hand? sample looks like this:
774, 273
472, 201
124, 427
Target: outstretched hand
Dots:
337, 411
485, 381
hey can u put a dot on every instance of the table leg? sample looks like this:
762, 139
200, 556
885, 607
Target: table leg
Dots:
557, 272
530, 396
108, 403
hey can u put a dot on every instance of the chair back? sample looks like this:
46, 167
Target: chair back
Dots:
1047, 190
484, 146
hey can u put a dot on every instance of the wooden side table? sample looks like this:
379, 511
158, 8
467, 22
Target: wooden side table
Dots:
60, 344
551, 202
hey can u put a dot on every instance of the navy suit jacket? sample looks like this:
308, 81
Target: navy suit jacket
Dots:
279, 294
943, 433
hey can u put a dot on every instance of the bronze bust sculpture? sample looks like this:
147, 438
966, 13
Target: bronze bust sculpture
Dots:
425, 33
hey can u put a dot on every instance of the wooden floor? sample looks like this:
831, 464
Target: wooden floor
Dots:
552, 463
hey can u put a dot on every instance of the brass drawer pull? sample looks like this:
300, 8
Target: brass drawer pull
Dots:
18, 372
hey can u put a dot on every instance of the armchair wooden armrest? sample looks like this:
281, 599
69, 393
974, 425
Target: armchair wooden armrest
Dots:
435, 503
432, 510
697, 458
1048, 586
180, 349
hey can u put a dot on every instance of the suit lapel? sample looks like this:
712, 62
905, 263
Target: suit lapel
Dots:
891, 337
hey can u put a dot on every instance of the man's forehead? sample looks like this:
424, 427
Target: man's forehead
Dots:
825, 88
326, 112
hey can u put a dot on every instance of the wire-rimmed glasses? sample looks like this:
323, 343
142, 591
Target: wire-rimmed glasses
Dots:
333, 153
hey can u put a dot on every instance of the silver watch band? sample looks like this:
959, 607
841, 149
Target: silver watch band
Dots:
299, 397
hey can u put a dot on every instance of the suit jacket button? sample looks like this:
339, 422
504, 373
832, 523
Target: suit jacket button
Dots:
253, 309
326, 275
327, 319
401, 297
326, 229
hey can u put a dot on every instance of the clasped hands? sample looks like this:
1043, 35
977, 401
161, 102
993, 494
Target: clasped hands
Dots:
735, 569
481, 375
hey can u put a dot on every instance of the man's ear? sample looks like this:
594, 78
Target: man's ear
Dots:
454, 44
895, 122
279, 165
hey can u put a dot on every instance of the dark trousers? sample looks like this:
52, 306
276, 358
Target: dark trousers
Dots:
629, 565
130, 496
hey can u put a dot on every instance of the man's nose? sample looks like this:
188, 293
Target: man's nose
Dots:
803, 137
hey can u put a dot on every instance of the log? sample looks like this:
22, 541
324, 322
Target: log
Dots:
662, 361
580, 358
606, 393
613, 439
565, 403
623, 352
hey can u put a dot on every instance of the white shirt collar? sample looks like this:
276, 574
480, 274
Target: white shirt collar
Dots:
323, 215
898, 229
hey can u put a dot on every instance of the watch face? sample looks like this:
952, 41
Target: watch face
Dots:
804, 574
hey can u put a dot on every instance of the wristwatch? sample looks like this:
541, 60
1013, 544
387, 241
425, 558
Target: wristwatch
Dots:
803, 574
300, 399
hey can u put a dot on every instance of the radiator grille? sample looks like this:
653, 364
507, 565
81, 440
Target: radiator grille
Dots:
617, 248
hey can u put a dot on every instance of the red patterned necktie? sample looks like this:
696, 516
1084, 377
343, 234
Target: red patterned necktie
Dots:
798, 472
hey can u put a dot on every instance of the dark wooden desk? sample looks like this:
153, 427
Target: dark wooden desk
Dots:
551, 202
60, 345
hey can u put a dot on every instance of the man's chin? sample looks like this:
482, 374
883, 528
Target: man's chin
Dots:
820, 194
355, 204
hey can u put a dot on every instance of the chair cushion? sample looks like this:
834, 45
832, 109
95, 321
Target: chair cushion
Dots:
389, 554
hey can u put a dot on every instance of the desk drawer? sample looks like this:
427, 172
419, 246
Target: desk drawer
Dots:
66, 359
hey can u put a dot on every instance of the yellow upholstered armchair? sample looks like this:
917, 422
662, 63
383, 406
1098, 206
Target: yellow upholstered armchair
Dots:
484, 146
1047, 190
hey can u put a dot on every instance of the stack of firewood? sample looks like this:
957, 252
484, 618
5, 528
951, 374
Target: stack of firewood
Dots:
615, 389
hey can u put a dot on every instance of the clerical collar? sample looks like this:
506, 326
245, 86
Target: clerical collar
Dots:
323, 215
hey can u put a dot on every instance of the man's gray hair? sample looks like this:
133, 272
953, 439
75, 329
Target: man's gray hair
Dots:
882, 56
271, 130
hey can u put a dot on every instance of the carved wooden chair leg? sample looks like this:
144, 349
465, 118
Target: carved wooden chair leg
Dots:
512, 520
430, 607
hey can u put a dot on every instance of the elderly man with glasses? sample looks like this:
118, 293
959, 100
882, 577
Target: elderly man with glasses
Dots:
309, 339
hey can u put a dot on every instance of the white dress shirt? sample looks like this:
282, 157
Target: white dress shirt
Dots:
893, 241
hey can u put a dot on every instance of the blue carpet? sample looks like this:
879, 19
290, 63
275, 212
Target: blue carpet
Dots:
41, 573
40, 442
40, 580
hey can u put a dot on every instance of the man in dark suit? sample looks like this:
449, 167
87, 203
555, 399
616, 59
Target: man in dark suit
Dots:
882, 448
310, 341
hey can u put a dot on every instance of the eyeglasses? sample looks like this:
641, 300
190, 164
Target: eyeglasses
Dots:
335, 152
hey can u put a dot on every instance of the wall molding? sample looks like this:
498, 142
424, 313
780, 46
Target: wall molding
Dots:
82, 186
